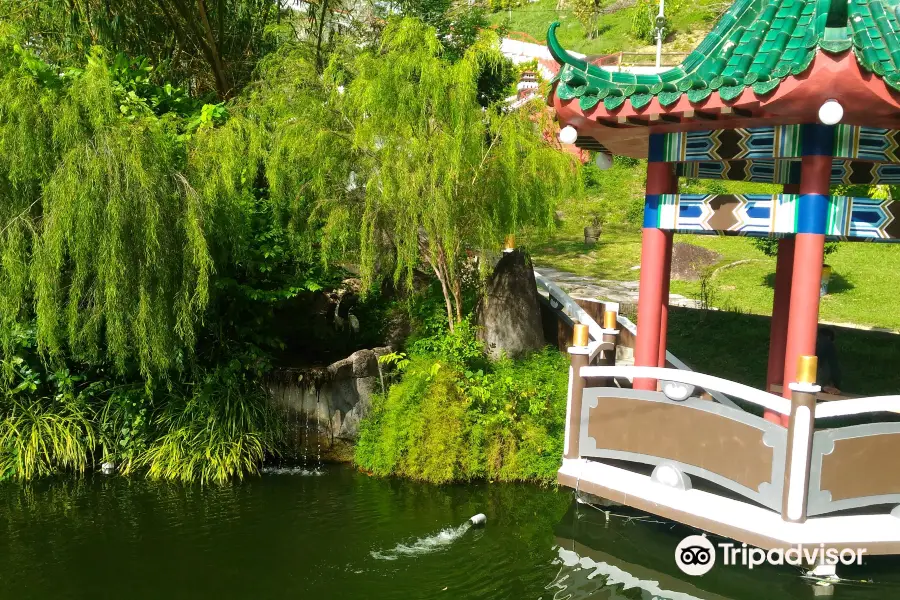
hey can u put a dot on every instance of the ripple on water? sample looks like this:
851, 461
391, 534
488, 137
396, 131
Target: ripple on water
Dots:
425, 545
292, 471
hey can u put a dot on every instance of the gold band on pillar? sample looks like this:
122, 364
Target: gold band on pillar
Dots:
806, 369
580, 337
610, 320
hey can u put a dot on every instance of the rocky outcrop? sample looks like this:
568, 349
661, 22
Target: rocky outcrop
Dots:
509, 316
329, 402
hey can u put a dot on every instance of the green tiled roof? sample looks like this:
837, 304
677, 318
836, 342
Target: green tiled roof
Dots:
756, 43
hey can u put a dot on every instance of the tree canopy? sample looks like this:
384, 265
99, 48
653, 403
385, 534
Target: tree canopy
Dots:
149, 228
445, 178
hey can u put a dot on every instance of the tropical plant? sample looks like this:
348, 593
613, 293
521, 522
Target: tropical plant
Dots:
39, 438
455, 416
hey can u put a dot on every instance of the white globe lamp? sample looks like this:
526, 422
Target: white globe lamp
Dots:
568, 135
604, 160
831, 112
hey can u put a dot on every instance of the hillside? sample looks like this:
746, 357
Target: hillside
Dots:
689, 22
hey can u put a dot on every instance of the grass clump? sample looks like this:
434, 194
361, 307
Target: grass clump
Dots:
456, 416
223, 431
38, 438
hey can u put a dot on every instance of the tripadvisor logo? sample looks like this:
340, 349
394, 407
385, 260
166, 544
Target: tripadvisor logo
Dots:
695, 555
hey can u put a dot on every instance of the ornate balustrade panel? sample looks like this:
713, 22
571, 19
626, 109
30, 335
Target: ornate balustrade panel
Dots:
729, 447
853, 467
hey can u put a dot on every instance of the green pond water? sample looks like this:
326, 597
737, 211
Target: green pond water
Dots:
343, 534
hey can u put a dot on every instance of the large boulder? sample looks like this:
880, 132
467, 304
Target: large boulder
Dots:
509, 315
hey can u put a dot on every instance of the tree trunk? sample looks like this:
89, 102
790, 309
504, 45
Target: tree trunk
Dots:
193, 35
440, 274
457, 296
218, 70
319, 64
446, 292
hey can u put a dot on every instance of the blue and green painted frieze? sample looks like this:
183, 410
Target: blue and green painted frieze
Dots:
781, 142
838, 217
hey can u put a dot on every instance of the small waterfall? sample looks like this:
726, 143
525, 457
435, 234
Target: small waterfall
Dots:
294, 459
305, 441
318, 434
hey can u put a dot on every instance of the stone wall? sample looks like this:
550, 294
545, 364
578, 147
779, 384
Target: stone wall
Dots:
328, 403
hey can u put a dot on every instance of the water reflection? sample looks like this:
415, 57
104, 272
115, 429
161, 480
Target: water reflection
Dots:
613, 553
327, 536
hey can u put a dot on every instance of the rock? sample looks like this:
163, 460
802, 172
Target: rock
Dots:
349, 428
365, 363
689, 261
330, 402
509, 314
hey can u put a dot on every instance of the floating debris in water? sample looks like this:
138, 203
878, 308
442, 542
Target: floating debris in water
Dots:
291, 471
425, 545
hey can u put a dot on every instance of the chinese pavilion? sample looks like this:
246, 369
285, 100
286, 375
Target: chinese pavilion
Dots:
804, 93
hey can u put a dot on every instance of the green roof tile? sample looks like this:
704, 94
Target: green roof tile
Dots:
756, 43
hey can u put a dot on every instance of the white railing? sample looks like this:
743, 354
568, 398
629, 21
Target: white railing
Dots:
570, 306
579, 315
858, 406
707, 382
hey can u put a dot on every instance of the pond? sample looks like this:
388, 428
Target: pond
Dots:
342, 534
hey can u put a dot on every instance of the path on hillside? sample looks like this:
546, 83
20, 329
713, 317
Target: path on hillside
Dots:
625, 292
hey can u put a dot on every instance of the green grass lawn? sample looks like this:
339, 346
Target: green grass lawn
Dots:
690, 21
861, 292
735, 346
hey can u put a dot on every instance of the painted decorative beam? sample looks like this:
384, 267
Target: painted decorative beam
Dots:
733, 144
844, 171
870, 144
773, 216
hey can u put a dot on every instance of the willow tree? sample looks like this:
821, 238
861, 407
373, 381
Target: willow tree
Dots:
103, 244
444, 178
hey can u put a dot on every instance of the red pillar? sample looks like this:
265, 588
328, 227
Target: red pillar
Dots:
655, 264
781, 304
664, 307
784, 270
806, 279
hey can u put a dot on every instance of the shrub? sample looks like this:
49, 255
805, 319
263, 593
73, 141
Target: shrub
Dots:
454, 416
769, 246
